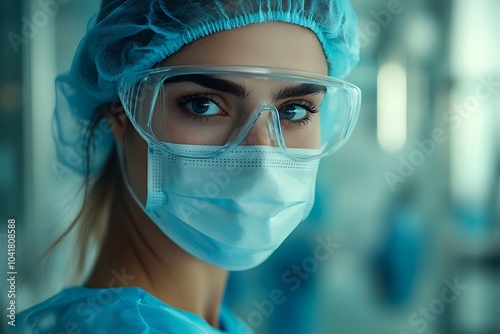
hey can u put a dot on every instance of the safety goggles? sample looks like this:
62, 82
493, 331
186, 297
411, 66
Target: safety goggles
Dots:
220, 108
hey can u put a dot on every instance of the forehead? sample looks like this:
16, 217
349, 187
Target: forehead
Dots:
270, 44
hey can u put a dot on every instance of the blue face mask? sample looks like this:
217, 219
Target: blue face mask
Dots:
232, 211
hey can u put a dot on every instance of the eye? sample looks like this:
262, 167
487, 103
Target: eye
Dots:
203, 106
293, 112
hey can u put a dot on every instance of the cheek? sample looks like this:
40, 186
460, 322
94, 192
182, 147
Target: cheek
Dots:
136, 155
308, 137
179, 129
313, 140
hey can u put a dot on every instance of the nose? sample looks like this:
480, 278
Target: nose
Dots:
262, 132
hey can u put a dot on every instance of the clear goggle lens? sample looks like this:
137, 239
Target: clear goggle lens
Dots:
307, 115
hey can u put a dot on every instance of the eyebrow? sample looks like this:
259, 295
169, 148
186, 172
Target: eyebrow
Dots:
207, 81
299, 90
241, 92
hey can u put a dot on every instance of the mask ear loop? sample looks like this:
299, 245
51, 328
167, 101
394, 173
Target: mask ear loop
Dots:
121, 157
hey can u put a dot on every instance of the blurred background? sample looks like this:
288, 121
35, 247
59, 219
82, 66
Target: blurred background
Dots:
405, 233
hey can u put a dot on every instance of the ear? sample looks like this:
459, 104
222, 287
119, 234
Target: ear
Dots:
118, 121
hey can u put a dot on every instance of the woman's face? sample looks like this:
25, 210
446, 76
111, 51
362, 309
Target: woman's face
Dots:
273, 44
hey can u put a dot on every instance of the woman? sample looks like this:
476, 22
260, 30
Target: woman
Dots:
219, 112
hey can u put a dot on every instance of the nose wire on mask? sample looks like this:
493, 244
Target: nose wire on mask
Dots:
262, 132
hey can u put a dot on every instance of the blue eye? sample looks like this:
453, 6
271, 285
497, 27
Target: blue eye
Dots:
293, 112
203, 106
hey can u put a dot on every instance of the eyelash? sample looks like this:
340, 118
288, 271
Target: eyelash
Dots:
185, 99
310, 107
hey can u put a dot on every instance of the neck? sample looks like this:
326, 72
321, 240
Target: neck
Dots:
134, 244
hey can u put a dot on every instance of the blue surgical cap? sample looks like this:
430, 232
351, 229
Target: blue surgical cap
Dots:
132, 35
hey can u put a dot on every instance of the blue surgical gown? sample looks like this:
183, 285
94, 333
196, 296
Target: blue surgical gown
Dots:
117, 310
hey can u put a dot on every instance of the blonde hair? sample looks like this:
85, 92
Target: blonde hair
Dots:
100, 190
99, 196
